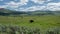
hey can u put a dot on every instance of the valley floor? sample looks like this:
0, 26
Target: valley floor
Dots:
42, 22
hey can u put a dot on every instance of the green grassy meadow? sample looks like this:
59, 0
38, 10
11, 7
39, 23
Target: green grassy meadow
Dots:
39, 21
42, 22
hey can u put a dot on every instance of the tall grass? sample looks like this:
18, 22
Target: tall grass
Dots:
27, 30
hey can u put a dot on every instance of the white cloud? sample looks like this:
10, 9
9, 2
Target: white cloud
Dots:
40, 1
34, 8
21, 2
14, 5
53, 6
49, 6
3, 6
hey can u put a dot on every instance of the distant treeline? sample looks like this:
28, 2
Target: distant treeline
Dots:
4, 14
11, 13
29, 13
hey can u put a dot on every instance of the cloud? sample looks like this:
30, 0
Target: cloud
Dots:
14, 5
50, 6
34, 8
53, 6
40, 1
21, 2
3, 6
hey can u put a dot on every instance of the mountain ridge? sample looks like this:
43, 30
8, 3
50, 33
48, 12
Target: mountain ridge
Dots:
38, 12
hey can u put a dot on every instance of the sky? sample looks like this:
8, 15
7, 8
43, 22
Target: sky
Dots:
30, 5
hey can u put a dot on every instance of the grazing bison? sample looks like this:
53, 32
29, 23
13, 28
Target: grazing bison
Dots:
31, 21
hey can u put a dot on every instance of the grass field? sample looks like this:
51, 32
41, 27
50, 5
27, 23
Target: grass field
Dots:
42, 22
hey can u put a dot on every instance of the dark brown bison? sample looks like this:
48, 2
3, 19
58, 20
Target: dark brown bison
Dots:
31, 21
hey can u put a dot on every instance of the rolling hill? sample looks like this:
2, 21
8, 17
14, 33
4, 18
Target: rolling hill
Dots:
7, 12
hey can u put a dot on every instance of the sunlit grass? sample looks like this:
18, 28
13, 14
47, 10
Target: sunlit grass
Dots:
42, 21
